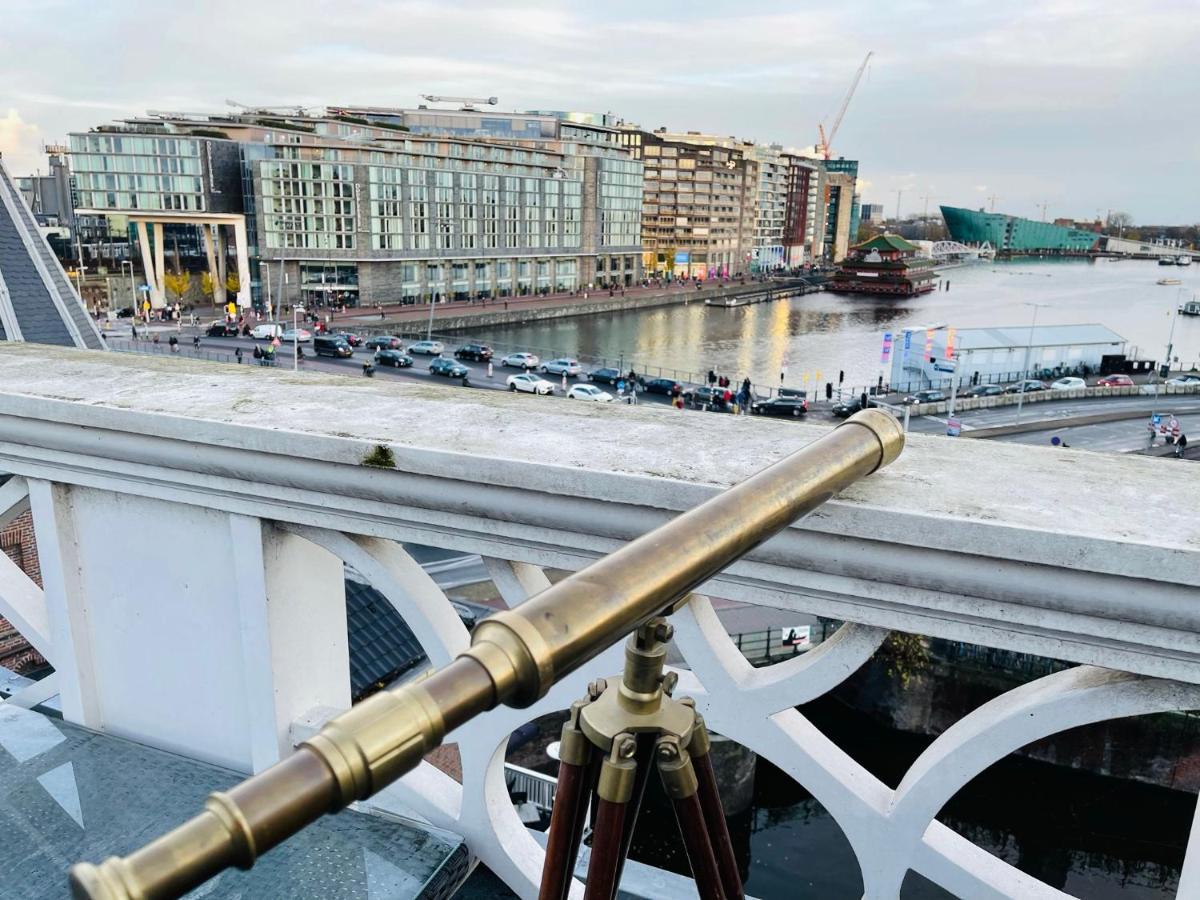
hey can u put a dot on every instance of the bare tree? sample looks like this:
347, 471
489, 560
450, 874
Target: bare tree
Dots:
1119, 221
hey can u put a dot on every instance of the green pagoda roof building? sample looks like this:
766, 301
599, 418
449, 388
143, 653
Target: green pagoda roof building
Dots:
885, 265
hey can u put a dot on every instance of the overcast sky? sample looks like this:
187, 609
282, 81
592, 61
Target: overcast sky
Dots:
1082, 105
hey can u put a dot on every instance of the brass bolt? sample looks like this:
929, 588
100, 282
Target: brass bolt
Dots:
596, 688
669, 680
663, 632
687, 701
668, 750
627, 748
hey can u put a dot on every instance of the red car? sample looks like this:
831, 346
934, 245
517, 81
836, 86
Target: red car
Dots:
1115, 381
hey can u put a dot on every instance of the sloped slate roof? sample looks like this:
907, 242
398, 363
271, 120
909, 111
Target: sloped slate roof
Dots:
37, 303
382, 646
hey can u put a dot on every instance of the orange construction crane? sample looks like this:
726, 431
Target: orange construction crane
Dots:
825, 145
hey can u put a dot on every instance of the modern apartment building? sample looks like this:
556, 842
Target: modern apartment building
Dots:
872, 212
354, 206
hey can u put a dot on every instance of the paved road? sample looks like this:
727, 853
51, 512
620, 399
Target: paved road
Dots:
1049, 411
1127, 436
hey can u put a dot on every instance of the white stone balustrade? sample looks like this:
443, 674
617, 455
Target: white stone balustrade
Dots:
192, 521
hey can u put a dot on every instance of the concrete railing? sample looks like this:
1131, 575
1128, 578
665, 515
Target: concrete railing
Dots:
962, 404
193, 521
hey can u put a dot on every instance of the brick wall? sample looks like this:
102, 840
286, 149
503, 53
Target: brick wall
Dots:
17, 543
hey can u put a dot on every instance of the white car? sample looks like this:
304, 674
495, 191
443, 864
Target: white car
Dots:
1184, 379
428, 348
264, 331
587, 392
530, 384
520, 361
296, 335
1068, 384
569, 367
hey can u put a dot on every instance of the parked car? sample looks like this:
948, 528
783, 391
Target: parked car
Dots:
383, 342
222, 329
529, 384
660, 386
520, 361
847, 408
780, 406
447, 367
350, 338
1069, 383
569, 367
1189, 378
924, 397
265, 331
984, 390
477, 352
586, 392
427, 348
296, 335
396, 358
326, 345
1119, 381
711, 397
605, 376
1029, 385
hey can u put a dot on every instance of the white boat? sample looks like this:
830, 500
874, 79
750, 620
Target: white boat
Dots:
1191, 308
1166, 260
1168, 281
1183, 261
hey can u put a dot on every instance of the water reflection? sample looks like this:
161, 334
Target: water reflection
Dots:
828, 333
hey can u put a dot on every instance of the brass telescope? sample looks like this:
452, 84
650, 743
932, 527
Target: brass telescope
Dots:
514, 658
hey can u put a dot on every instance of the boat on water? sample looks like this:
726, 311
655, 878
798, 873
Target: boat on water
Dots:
1191, 308
1168, 281
1166, 260
887, 264
1183, 261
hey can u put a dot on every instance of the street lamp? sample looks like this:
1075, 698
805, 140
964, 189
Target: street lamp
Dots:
1028, 350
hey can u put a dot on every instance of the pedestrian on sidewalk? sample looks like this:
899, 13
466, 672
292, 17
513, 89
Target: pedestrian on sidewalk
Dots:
133, 332
1181, 446
237, 352
196, 342
174, 342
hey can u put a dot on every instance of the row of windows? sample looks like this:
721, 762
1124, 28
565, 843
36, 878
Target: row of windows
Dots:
123, 200
139, 145
162, 184
167, 165
449, 240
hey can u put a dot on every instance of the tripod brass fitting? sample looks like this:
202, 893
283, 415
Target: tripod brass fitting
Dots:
514, 658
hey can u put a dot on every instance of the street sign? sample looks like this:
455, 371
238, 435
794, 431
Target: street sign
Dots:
796, 636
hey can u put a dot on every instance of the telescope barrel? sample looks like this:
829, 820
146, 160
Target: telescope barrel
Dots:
514, 658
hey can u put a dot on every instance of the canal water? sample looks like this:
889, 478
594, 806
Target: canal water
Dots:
828, 332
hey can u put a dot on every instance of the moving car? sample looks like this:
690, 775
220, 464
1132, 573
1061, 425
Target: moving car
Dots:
588, 392
427, 348
477, 352
1029, 385
529, 384
265, 331
605, 376
383, 342
984, 390
660, 386
713, 397
296, 335
847, 408
520, 361
397, 359
1184, 379
447, 367
325, 345
925, 397
1121, 381
352, 339
221, 329
1069, 383
569, 367
780, 406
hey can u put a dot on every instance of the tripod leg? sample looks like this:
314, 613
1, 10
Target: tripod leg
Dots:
679, 779
614, 790
714, 815
645, 764
570, 805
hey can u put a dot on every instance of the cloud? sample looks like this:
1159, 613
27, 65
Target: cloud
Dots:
20, 145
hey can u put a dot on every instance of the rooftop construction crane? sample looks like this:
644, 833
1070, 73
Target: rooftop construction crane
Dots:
825, 145
467, 102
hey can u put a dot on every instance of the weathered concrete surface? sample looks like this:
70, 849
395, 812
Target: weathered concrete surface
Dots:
339, 420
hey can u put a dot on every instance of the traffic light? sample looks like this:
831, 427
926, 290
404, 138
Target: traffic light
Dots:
841, 376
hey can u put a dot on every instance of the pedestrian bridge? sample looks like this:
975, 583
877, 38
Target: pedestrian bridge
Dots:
193, 520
